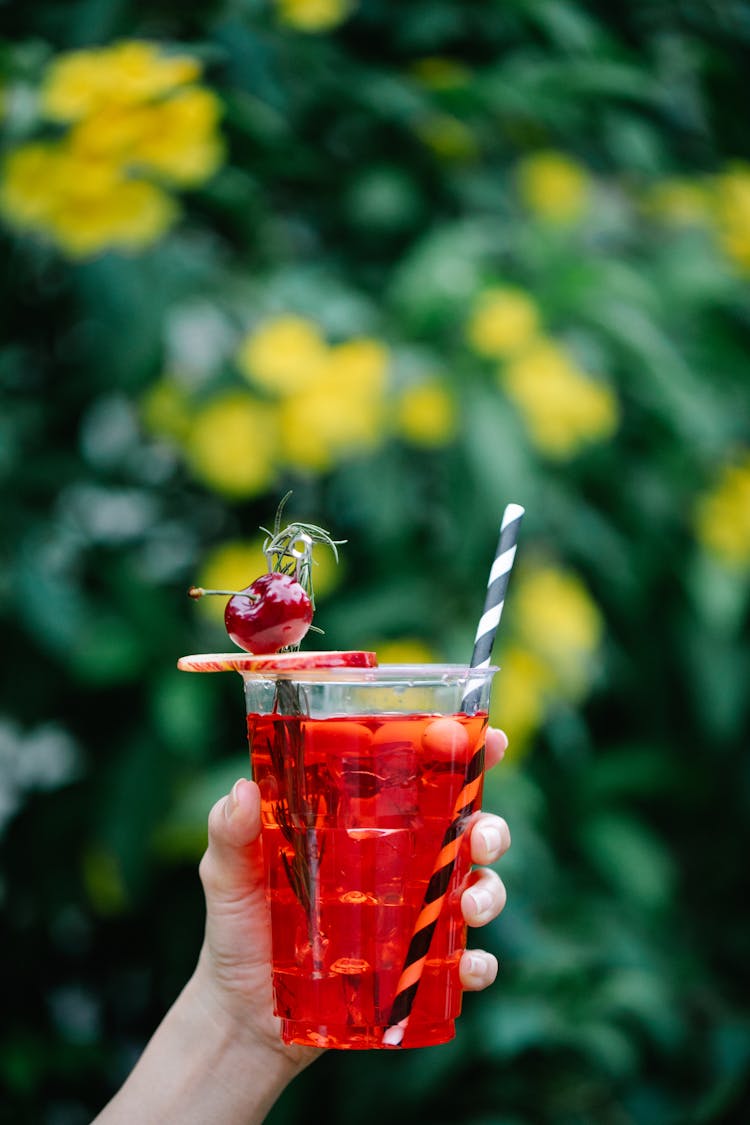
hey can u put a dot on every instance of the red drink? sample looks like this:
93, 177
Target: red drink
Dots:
354, 812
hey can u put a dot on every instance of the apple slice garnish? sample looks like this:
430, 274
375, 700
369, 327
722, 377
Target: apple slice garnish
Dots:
276, 662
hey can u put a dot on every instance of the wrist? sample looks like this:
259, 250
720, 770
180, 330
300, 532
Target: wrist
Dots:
203, 1063
227, 1019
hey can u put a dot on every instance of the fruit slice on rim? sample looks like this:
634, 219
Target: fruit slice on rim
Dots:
276, 662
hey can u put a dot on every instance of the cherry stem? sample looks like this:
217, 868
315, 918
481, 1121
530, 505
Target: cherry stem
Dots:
199, 592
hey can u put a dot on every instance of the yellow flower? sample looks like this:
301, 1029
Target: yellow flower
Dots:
305, 425
165, 409
405, 650
313, 15
133, 214
519, 696
439, 73
732, 210
553, 186
502, 321
27, 193
321, 426
130, 110
331, 397
448, 137
85, 205
232, 445
557, 620
110, 133
342, 412
181, 142
722, 516
563, 408
358, 367
175, 138
283, 355
426, 414
83, 82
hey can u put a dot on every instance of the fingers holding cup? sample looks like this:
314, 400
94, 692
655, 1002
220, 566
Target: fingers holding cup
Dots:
477, 970
495, 745
489, 839
483, 898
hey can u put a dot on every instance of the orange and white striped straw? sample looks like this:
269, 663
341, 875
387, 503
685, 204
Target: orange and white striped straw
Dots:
437, 888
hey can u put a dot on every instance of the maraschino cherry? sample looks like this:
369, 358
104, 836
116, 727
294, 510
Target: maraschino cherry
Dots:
276, 610
273, 612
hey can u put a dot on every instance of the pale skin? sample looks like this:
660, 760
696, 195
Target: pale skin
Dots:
217, 1055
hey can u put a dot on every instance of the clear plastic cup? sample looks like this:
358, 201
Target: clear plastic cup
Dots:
362, 773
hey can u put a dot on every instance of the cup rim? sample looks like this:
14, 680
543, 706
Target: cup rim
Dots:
417, 675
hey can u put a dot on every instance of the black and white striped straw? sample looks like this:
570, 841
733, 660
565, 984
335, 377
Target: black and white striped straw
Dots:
445, 862
497, 586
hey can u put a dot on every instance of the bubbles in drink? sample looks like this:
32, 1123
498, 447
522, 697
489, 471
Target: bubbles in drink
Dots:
350, 966
357, 898
360, 834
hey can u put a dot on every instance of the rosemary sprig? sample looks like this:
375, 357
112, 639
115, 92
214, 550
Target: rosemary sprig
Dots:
295, 812
289, 550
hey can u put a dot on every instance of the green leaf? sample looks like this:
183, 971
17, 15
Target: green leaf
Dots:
630, 858
433, 285
184, 709
106, 650
630, 771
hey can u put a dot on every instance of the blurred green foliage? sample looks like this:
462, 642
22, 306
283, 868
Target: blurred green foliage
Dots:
517, 238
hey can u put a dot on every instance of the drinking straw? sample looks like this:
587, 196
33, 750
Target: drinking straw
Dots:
437, 888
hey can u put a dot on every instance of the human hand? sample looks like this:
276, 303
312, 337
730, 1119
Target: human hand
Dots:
484, 896
234, 965
235, 961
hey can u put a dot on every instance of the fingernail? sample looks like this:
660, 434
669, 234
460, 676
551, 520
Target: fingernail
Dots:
472, 964
491, 838
482, 901
232, 800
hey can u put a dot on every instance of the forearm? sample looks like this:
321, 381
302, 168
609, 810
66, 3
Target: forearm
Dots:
200, 1067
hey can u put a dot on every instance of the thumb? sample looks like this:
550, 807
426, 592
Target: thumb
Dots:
232, 865
237, 944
